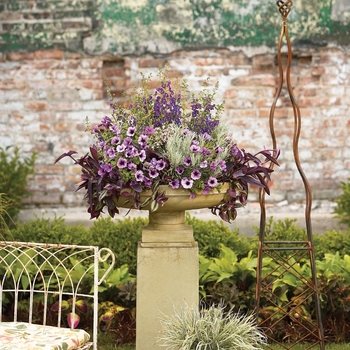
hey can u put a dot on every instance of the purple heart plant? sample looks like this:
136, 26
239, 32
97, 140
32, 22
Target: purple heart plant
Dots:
167, 137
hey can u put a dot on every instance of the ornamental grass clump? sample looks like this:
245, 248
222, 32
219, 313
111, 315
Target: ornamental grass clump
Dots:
171, 137
210, 329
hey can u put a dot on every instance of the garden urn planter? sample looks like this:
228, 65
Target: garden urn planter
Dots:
167, 262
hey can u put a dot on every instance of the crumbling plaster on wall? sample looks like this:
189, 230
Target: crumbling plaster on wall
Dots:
340, 11
145, 26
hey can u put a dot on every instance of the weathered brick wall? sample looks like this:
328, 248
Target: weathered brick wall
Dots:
46, 95
54, 55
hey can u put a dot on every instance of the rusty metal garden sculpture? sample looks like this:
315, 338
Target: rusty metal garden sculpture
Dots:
283, 317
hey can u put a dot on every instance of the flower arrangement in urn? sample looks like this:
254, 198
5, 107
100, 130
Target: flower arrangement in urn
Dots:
167, 136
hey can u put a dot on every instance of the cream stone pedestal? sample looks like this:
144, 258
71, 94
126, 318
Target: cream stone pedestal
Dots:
167, 264
167, 275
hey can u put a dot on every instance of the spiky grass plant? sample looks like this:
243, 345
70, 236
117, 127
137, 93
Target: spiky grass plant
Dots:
210, 329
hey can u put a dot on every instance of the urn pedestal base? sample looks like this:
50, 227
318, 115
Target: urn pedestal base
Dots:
168, 279
167, 264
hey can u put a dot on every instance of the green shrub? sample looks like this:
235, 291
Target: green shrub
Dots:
228, 278
288, 230
121, 236
5, 204
332, 242
14, 170
44, 230
283, 230
342, 210
211, 234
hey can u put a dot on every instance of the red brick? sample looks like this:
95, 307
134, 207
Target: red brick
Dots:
263, 102
36, 106
304, 62
310, 81
238, 59
264, 113
92, 84
114, 72
317, 71
45, 127
308, 92
256, 80
63, 127
152, 62
49, 54
264, 61
117, 83
10, 16
20, 56
209, 61
67, 106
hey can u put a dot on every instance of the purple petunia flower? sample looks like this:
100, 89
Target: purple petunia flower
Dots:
204, 164
106, 121
187, 161
127, 141
142, 155
196, 174
122, 163
139, 175
95, 129
206, 136
115, 140
147, 181
195, 148
111, 153
206, 152
222, 165
180, 170
174, 183
131, 151
104, 168
218, 149
121, 148
132, 166
131, 131
115, 129
149, 130
213, 165
160, 164
154, 162
153, 173
186, 183
212, 181
142, 140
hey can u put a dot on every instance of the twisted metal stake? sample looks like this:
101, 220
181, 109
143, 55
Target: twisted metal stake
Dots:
280, 312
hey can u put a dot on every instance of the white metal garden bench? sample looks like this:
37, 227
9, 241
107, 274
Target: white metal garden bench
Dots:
40, 284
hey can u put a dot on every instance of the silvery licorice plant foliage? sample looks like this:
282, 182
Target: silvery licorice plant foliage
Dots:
210, 329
